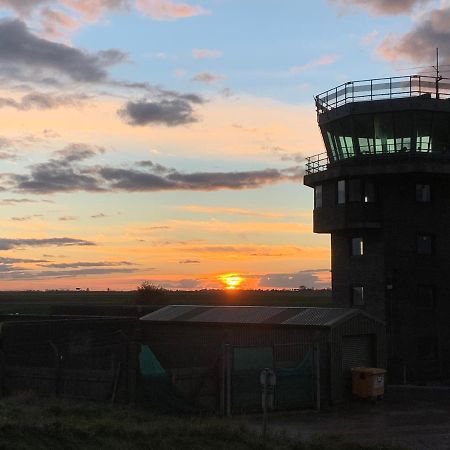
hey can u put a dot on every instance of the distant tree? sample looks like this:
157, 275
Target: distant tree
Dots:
148, 291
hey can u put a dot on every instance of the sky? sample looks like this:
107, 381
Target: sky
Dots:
165, 141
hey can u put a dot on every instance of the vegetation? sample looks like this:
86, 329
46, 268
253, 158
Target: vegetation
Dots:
103, 302
30, 422
148, 292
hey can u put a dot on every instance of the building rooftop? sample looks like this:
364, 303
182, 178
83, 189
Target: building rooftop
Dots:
270, 315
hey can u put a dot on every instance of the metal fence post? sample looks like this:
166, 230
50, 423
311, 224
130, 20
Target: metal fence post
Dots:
317, 373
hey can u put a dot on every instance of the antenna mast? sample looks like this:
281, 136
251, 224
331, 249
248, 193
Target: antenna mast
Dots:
438, 76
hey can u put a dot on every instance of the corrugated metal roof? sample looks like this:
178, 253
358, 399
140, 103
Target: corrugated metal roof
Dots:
274, 315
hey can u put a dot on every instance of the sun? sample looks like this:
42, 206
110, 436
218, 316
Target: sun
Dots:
231, 281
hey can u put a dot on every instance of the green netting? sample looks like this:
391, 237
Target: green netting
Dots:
295, 386
149, 364
156, 390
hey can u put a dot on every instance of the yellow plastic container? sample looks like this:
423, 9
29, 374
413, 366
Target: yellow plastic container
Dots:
368, 382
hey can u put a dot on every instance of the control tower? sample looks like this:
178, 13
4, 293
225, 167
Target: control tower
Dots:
382, 191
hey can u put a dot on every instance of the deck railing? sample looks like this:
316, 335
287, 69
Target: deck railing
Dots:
382, 88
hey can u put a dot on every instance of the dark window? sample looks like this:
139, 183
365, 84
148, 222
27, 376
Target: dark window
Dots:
425, 244
369, 192
425, 297
318, 196
354, 190
357, 246
341, 192
423, 193
358, 295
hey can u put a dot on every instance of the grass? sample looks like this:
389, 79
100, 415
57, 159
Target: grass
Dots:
31, 422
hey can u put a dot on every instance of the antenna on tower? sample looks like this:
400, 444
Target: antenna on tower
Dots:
438, 75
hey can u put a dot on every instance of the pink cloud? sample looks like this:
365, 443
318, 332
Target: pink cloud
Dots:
54, 22
382, 7
201, 53
322, 61
168, 10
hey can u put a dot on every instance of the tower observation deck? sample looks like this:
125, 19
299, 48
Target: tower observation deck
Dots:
382, 191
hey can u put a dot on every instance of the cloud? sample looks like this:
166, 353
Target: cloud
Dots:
20, 49
68, 172
322, 61
419, 44
55, 23
67, 218
168, 10
319, 278
202, 53
207, 77
170, 112
22, 7
41, 100
8, 244
189, 261
21, 260
78, 264
383, 7
25, 218
210, 210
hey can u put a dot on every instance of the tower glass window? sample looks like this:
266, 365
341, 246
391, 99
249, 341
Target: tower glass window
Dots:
424, 244
423, 193
358, 295
357, 246
341, 192
318, 196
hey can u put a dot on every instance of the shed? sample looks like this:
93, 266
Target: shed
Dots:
212, 355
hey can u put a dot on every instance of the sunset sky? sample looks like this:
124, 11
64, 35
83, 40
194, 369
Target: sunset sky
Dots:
164, 140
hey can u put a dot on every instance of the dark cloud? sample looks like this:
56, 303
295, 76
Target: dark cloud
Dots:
75, 265
40, 100
170, 112
8, 244
67, 218
67, 172
21, 260
62, 173
419, 44
383, 7
19, 273
99, 216
25, 218
17, 201
308, 278
19, 48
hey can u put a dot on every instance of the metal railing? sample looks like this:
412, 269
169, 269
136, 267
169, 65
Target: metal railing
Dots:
382, 88
321, 162
317, 163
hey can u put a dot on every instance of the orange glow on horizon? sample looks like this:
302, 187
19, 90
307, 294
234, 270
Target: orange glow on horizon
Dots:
231, 281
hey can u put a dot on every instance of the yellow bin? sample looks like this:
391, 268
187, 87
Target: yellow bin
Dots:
368, 382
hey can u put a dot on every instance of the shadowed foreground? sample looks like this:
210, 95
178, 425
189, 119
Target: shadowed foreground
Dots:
30, 422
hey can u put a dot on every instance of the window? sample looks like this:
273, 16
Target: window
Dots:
318, 196
423, 193
354, 190
425, 297
369, 192
341, 192
358, 296
424, 244
357, 246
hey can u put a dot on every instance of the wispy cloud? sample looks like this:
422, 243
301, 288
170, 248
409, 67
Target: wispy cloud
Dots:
168, 10
322, 61
207, 77
202, 53
8, 244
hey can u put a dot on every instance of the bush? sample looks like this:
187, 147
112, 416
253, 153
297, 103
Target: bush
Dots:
148, 291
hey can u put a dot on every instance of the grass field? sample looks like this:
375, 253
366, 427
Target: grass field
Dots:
44, 302
30, 422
